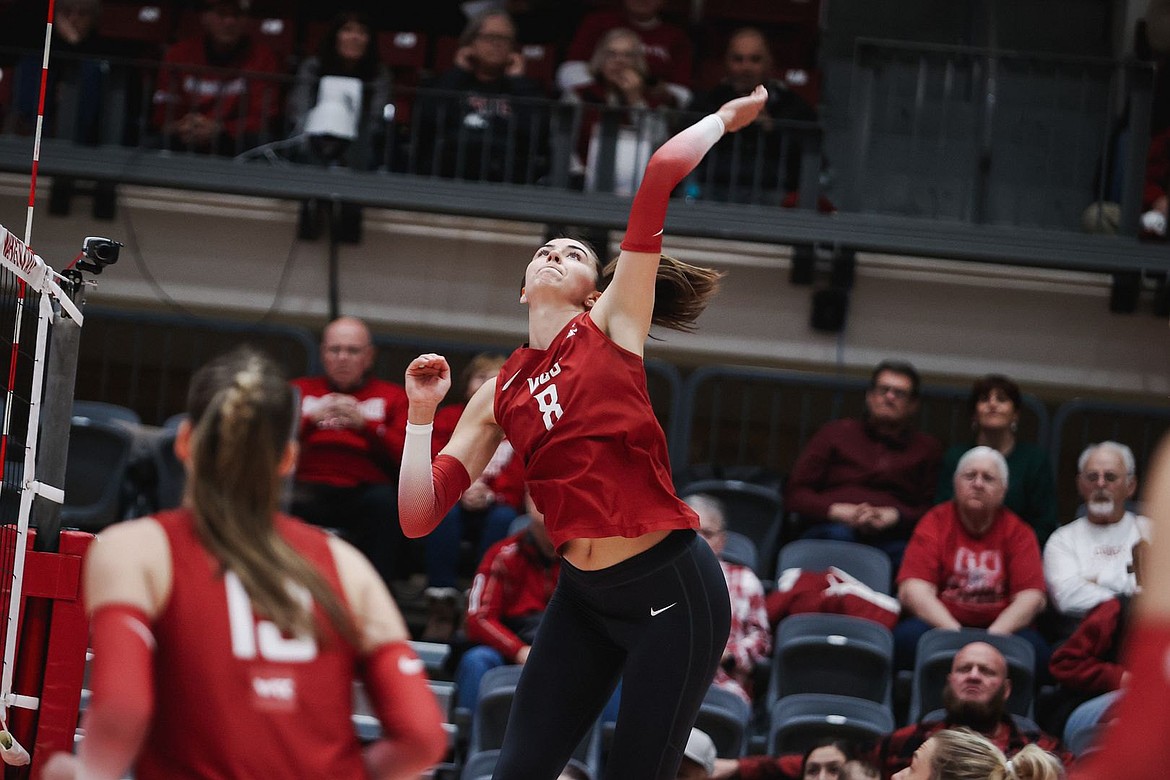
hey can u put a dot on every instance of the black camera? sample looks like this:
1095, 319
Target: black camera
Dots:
99, 252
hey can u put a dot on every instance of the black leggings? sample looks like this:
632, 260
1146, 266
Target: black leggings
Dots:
658, 620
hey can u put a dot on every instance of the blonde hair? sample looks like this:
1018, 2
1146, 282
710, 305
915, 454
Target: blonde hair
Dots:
241, 410
962, 754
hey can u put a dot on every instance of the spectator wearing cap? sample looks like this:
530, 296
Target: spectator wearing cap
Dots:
213, 92
698, 757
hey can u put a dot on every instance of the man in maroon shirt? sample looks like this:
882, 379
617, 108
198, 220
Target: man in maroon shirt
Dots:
869, 480
351, 434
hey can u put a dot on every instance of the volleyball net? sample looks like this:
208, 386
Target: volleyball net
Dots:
31, 302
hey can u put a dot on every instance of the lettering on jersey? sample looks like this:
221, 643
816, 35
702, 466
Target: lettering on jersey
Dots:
536, 381
977, 578
546, 399
275, 688
252, 638
572, 331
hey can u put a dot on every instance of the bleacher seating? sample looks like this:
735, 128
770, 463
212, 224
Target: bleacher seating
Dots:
932, 664
837, 654
799, 721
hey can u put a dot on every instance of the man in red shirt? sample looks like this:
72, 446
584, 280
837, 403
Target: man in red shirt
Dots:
351, 434
511, 589
201, 85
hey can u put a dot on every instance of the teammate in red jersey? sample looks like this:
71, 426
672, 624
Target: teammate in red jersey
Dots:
640, 595
227, 636
1135, 744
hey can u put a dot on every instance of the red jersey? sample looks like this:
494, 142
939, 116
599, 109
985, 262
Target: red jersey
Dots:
288, 700
579, 416
348, 457
976, 576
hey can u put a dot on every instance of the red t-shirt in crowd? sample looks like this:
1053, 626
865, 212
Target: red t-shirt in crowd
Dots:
348, 457
282, 704
579, 417
514, 581
976, 576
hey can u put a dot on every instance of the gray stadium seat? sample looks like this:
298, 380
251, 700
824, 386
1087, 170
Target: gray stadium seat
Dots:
797, 722
868, 564
753, 510
739, 549
95, 474
725, 717
838, 654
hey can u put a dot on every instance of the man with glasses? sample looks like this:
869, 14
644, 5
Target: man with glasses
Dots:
1090, 560
870, 479
351, 434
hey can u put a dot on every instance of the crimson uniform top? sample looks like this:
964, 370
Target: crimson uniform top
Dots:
289, 700
578, 414
347, 457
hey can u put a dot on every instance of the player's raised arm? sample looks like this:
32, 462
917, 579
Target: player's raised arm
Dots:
626, 308
428, 489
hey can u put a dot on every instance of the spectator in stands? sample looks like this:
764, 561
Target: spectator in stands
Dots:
858, 770
1135, 744
668, 48
995, 414
869, 480
748, 168
961, 754
508, 597
974, 696
698, 757
213, 92
347, 50
1090, 560
972, 563
483, 514
482, 114
351, 435
80, 73
227, 612
750, 639
620, 82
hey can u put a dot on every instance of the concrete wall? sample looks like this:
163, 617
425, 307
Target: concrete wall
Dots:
448, 277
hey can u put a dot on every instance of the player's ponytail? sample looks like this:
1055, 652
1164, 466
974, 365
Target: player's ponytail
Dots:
241, 410
681, 292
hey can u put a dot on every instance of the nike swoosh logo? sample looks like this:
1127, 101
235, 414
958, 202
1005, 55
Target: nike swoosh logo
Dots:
505, 387
654, 612
411, 665
656, 235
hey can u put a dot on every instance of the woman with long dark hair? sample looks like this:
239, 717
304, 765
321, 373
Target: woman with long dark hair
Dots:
640, 595
227, 636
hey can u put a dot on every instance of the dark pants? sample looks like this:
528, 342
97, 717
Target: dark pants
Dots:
366, 516
660, 621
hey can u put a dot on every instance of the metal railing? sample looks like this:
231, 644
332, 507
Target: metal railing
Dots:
987, 136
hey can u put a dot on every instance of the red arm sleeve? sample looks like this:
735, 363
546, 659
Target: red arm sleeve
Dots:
423, 502
411, 721
667, 167
122, 679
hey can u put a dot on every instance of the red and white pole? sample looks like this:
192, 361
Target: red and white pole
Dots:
32, 187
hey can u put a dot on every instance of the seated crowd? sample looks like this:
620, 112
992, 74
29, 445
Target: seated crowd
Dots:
966, 550
365, 89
